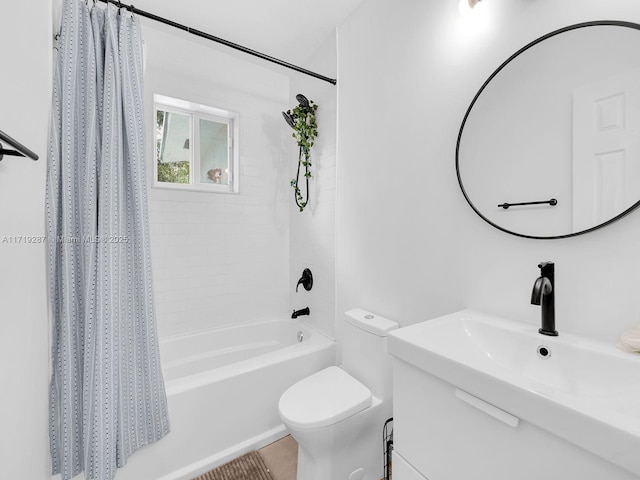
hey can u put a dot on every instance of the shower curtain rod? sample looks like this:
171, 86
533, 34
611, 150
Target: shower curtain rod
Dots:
222, 41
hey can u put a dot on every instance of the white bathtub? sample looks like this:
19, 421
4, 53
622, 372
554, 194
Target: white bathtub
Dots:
223, 387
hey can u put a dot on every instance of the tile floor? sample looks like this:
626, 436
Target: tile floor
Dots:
281, 458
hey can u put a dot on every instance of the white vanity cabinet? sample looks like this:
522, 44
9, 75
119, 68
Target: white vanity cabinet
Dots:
403, 469
442, 433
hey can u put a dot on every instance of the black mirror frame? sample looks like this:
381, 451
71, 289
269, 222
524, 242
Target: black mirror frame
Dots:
576, 26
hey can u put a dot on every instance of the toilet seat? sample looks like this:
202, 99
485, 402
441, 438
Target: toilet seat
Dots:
323, 399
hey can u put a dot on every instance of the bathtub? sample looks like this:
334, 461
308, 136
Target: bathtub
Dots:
223, 387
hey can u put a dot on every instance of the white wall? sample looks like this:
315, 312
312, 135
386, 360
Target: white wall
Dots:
24, 327
408, 245
221, 258
312, 238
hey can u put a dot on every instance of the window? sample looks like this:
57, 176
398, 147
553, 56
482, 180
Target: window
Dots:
195, 146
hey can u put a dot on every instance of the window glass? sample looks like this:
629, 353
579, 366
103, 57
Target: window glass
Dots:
195, 146
173, 134
214, 152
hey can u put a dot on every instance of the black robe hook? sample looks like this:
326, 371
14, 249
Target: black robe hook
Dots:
20, 150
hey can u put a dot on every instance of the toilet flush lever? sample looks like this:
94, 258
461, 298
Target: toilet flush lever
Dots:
306, 280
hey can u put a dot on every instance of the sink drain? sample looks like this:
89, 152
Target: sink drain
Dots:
544, 352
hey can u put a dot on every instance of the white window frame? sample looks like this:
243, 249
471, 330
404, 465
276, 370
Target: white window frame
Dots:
197, 112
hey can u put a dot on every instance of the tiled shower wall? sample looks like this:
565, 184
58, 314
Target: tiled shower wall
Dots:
221, 258
313, 230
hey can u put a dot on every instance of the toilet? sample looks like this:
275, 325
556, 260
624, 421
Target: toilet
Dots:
337, 414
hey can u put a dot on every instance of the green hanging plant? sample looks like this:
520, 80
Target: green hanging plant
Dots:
305, 130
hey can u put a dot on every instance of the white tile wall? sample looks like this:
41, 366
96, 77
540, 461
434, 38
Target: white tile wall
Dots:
313, 231
221, 258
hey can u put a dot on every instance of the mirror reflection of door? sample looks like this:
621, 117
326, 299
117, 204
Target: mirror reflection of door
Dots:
560, 119
606, 148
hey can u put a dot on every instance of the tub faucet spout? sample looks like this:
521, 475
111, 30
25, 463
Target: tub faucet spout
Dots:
543, 294
297, 313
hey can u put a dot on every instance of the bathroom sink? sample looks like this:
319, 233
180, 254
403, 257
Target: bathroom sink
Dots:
582, 390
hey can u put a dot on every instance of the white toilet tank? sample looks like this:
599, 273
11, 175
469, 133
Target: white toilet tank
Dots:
364, 350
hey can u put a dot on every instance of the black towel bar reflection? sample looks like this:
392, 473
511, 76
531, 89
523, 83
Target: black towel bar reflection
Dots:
551, 202
20, 150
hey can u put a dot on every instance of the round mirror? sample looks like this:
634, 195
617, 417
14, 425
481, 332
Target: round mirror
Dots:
550, 145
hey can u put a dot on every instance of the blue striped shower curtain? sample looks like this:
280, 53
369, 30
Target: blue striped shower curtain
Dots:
107, 396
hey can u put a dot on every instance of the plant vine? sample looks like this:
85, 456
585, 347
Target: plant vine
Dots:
305, 131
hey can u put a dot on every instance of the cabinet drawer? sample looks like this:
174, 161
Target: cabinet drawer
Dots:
447, 434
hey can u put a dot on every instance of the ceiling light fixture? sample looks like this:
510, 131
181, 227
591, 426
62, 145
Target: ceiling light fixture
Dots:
466, 6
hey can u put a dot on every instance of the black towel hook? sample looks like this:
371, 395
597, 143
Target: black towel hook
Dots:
20, 150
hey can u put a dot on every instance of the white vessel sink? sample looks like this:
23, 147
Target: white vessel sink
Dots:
584, 391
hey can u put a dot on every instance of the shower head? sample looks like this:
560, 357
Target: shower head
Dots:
302, 100
288, 116
289, 119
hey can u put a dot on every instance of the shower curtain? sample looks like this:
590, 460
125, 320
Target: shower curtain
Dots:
107, 396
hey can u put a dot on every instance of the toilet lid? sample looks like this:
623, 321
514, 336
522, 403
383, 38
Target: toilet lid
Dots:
324, 398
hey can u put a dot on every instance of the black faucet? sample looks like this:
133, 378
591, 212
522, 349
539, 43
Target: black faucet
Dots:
306, 280
297, 313
543, 294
